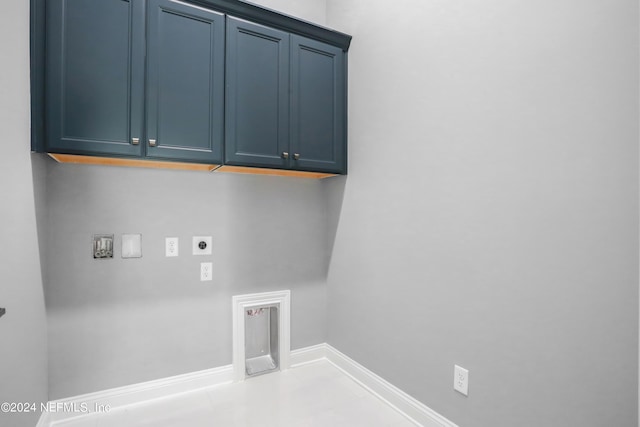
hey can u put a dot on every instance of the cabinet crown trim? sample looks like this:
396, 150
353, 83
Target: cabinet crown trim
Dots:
278, 20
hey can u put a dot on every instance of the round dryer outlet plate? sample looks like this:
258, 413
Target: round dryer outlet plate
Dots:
202, 245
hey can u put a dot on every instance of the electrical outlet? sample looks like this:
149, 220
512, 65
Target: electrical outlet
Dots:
461, 380
171, 246
206, 274
202, 245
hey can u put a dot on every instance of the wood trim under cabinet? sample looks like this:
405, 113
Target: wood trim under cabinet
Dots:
274, 172
111, 161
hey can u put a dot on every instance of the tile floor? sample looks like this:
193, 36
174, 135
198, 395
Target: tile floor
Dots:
316, 394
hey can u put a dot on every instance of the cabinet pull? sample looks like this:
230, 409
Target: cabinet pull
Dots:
284, 155
135, 141
152, 143
296, 156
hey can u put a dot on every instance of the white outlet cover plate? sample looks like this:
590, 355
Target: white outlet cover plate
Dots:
207, 245
171, 246
461, 380
206, 274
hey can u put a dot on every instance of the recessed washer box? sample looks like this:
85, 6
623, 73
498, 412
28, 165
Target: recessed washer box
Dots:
202, 245
103, 246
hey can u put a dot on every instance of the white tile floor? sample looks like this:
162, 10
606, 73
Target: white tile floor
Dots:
316, 394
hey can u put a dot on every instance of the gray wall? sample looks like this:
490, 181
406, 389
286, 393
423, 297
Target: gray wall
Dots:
23, 358
490, 217
122, 321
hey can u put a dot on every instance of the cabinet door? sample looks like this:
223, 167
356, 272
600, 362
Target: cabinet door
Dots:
257, 98
94, 76
185, 82
318, 101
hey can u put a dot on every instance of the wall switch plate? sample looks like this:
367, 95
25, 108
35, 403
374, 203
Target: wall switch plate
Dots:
171, 246
132, 246
202, 245
206, 274
461, 380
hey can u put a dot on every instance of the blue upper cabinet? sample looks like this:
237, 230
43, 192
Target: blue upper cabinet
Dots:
185, 82
96, 79
285, 100
257, 97
318, 106
95, 76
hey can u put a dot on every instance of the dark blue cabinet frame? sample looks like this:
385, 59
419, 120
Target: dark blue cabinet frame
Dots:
94, 97
185, 87
257, 104
318, 113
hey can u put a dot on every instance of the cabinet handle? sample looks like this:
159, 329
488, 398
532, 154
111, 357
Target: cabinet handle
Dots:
152, 143
135, 141
284, 155
296, 156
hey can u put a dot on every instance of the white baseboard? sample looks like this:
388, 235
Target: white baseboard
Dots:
416, 411
135, 394
138, 393
308, 355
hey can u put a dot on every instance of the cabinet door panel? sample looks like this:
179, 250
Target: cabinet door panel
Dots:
257, 101
95, 74
185, 82
317, 106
